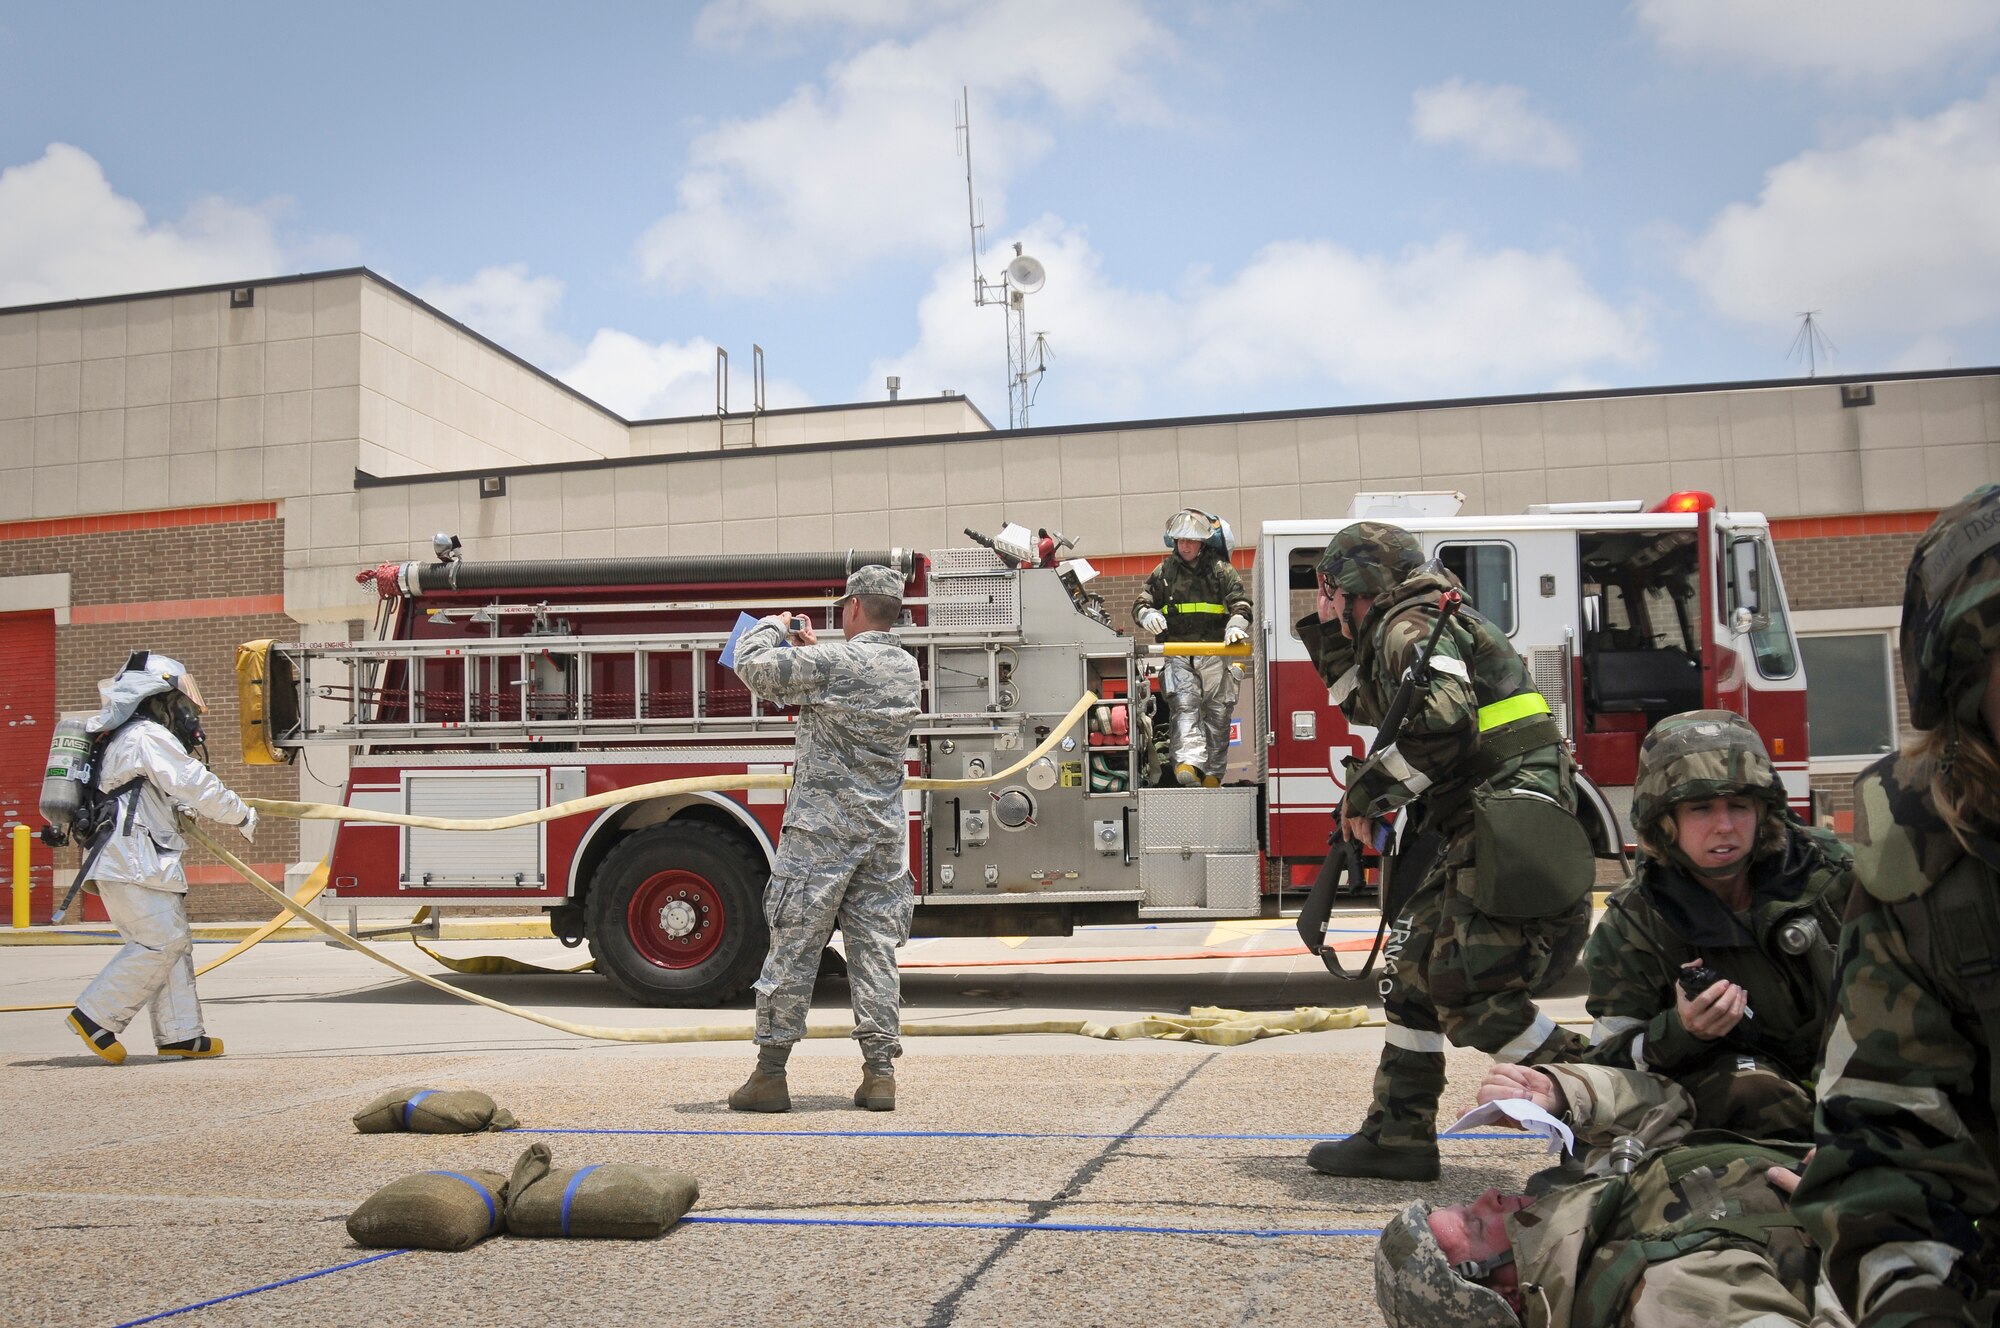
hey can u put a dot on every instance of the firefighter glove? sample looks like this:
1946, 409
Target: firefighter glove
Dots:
1237, 632
1153, 622
248, 828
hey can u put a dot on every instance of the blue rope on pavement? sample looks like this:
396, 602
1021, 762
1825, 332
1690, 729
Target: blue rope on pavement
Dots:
268, 1286
1276, 1233
1515, 1135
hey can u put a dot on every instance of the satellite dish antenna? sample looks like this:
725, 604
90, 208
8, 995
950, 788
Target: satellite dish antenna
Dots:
1026, 274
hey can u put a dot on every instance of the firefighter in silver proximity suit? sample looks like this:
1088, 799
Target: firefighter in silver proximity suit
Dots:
152, 710
1195, 596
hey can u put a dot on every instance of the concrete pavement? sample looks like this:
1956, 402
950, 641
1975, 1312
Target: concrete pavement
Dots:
1023, 1179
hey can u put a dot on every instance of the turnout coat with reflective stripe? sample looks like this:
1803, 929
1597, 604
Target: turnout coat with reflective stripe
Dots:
1198, 598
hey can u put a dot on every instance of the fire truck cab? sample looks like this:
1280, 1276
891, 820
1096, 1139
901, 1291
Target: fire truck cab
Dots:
495, 688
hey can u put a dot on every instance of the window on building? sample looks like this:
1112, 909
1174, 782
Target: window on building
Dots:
1487, 570
1851, 694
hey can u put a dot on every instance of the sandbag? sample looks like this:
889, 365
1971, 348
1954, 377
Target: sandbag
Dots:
432, 1210
433, 1111
614, 1201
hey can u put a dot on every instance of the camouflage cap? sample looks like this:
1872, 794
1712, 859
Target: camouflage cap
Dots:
875, 579
1371, 557
1415, 1286
1697, 755
1951, 610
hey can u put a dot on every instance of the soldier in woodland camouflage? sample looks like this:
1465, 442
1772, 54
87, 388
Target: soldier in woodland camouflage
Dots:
1195, 595
1466, 946
1729, 880
1904, 1192
1695, 1235
843, 858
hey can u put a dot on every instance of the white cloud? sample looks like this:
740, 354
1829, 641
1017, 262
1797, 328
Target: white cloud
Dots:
66, 234
735, 22
645, 379
1842, 39
1891, 235
1493, 121
860, 166
1927, 352
1443, 319
510, 307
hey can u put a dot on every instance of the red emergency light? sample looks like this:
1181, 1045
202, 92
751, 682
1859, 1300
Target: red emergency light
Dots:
1687, 500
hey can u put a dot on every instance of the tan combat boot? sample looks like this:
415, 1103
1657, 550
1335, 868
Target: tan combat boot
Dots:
762, 1091
877, 1091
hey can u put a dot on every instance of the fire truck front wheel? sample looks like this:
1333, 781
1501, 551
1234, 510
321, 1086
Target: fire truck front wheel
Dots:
676, 916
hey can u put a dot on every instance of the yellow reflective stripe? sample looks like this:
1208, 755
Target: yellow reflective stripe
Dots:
1511, 709
1197, 608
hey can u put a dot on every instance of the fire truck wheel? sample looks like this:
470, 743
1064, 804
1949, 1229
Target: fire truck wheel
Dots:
676, 915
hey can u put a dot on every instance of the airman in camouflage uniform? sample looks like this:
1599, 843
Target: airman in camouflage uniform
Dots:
1764, 915
1463, 954
1196, 595
1695, 1235
1904, 1191
844, 856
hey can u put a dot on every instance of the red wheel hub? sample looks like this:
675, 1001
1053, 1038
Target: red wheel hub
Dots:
676, 919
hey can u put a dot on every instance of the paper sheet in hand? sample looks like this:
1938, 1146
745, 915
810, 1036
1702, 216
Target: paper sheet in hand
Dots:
744, 622
1520, 1112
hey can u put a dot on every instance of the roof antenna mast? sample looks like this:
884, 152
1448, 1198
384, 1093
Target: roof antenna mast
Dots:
1811, 343
1022, 277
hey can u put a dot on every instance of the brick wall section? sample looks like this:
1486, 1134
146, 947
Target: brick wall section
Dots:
241, 558
1845, 571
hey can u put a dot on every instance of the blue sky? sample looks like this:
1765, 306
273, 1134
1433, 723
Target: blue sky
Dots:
1241, 206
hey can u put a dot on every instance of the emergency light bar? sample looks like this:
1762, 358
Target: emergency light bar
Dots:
1687, 500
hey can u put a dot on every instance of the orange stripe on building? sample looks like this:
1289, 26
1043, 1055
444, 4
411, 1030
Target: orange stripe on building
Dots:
1142, 564
1867, 523
172, 610
218, 875
111, 522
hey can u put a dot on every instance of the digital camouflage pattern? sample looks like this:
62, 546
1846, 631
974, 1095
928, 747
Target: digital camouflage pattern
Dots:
875, 579
1908, 1170
1371, 557
857, 701
1951, 610
843, 858
818, 882
1415, 1286
1198, 598
1567, 1245
1757, 1078
1699, 755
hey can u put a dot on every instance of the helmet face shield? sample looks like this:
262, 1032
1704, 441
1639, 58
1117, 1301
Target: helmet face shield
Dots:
185, 684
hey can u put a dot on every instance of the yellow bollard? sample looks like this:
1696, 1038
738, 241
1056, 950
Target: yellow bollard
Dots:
21, 882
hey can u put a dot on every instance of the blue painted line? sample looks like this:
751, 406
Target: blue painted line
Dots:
1276, 1233
1515, 1135
569, 1192
268, 1286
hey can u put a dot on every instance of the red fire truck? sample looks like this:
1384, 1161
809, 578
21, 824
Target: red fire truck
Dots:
496, 688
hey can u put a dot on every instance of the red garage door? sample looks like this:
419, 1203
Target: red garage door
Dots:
27, 717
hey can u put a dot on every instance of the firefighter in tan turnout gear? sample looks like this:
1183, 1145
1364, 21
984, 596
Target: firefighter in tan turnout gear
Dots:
843, 859
152, 711
1195, 595
1480, 764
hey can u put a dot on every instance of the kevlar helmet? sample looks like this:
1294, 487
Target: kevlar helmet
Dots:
1416, 1287
1951, 610
1195, 524
1371, 557
1700, 755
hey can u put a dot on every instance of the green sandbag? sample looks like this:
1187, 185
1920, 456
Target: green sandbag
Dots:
432, 1210
614, 1201
433, 1111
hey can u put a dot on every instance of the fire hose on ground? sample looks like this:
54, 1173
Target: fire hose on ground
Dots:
1209, 1025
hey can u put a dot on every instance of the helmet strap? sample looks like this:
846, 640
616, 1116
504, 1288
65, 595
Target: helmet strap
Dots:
1478, 1270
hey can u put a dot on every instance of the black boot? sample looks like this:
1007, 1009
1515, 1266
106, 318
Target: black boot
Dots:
1361, 1155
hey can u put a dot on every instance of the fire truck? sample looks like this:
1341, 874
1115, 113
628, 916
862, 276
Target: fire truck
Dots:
497, 688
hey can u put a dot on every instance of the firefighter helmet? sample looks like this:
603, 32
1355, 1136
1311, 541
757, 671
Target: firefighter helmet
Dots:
1416, 1286
1951, 610
1370, 557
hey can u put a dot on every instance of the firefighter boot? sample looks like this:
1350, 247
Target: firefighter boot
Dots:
765, 1089
1187, 776
1398, 1140
878, 1087
98, 1038
194, 1049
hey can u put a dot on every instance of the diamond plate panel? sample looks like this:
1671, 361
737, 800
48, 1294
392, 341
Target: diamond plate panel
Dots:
1550, 667
968, 588
1220, 820
1232, 882
1170, 881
